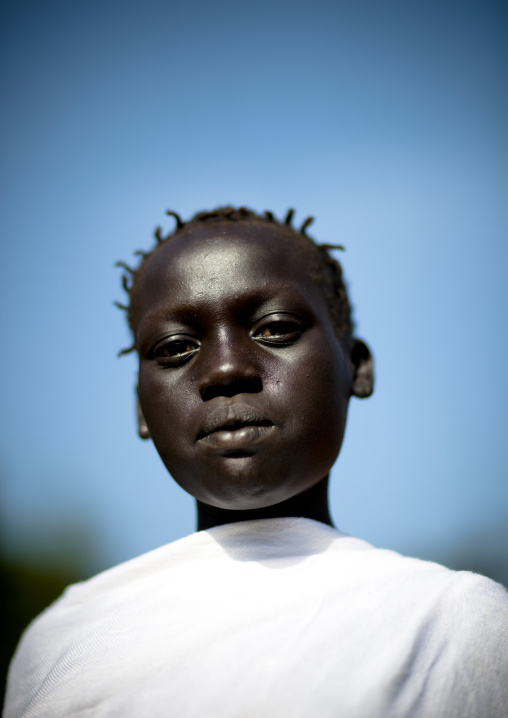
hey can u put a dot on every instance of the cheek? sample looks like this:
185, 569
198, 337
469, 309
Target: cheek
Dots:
315, 390
162, 405
320, 377
166, 411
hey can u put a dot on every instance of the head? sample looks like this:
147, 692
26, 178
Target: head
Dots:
246, 357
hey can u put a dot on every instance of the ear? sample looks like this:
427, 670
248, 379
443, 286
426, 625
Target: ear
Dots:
362, 384
143, 431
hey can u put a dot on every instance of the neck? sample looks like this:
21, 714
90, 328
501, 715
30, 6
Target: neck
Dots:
311, 504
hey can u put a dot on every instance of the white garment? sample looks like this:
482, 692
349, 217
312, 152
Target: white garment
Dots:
275, 618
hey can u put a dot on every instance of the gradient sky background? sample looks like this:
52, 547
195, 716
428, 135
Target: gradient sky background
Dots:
385, 120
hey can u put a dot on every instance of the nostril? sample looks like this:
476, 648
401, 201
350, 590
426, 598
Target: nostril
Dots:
253, 385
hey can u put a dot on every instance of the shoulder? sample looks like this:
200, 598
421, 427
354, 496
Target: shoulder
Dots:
88, 615
446, 631
457, 597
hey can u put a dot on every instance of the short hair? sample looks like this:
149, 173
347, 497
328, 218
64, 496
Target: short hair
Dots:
324, 270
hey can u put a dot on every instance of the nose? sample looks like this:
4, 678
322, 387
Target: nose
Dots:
229, 368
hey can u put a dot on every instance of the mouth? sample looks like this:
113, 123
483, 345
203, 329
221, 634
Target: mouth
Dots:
234, 428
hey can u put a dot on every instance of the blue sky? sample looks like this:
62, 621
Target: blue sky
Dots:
386, 121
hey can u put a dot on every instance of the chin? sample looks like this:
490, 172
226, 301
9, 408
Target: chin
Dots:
246, 502
246, 495
239, 490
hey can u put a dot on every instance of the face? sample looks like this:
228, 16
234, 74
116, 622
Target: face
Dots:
243, 385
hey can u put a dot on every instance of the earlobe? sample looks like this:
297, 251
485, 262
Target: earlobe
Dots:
362, 384
143, 430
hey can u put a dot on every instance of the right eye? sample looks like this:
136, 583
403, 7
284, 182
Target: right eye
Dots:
175, 350
279, 330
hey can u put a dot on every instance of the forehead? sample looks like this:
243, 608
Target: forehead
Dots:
202, 265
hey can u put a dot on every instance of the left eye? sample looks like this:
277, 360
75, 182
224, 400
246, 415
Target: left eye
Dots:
279, 332
176, 348
174, 351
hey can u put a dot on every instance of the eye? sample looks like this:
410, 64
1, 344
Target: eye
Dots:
279, 331
175, 351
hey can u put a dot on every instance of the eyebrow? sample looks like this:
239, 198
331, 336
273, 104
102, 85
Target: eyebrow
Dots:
188, 314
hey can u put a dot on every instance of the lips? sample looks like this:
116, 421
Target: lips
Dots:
234, 427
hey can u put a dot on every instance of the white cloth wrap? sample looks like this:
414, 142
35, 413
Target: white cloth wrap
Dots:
273, 618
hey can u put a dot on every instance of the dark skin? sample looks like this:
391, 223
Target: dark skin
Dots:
311, 504
243, 384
